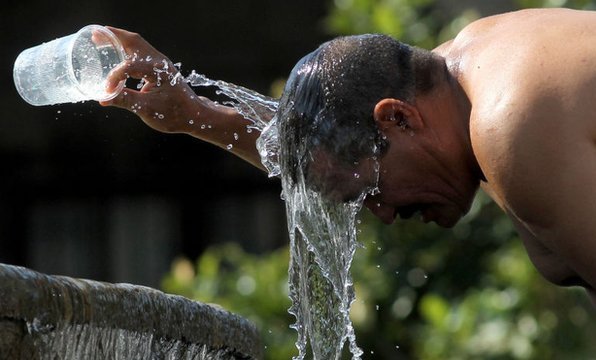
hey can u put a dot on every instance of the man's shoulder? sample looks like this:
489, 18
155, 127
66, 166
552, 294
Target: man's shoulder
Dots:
508, 20
526, 151
511, 43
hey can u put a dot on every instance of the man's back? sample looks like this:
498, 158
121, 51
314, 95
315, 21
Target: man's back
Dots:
531, 80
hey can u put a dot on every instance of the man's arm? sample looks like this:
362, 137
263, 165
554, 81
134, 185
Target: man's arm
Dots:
574, 217
174, 107
550, 188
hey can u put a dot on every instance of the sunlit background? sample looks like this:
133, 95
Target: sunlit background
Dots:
91, 192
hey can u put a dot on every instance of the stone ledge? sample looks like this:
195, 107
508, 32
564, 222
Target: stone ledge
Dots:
35, 303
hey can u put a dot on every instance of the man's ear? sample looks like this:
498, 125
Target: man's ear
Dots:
394, 112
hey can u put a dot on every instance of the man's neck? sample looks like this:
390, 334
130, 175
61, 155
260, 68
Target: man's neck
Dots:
447, 108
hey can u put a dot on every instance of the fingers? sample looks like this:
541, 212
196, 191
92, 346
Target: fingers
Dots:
99, 38
127, 99
138, 103
116, 76
135, 46
128, 39
130, 69
143, 61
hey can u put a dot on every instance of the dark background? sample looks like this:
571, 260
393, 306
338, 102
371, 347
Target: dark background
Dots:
92, 192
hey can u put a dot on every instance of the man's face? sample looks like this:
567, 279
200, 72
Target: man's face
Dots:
410, 183
406, 185
403, 196
339, 182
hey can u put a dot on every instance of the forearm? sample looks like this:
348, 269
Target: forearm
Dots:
224, 127
168, 104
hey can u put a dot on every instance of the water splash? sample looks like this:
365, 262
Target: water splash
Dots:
322, 237
323, 243
257, 108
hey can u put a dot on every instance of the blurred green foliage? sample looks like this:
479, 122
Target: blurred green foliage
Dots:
254, 286
422, 292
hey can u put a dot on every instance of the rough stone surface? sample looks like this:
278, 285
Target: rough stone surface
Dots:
37, 309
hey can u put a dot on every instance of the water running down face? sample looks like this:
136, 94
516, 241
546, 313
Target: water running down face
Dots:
327, 108
390, 192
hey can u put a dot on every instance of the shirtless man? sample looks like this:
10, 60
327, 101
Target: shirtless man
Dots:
514, 111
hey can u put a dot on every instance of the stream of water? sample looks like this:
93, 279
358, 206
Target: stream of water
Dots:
322, 238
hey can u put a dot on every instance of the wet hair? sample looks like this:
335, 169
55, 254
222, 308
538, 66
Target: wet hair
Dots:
331, 93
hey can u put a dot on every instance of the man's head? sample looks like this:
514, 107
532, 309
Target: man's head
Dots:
333, 116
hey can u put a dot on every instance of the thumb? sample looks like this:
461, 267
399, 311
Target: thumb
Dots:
128, 99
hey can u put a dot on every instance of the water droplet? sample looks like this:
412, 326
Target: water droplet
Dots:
229, 147
203, 127
357, 175
377, 307
191, 121
236, 136
148, 58
248, 130
59, 111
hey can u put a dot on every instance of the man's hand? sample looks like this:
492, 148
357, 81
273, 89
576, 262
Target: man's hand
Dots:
163, 100
166, 103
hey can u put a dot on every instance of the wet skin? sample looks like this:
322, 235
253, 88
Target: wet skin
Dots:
516, 116
525, 133
532, 127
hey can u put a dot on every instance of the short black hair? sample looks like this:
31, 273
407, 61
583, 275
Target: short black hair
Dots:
331, 93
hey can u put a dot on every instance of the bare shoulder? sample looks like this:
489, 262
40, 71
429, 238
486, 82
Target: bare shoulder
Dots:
532, 85
531, 80
520, 19
541, 168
